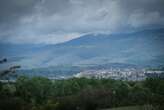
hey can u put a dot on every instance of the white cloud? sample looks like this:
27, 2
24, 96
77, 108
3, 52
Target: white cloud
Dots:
52, 38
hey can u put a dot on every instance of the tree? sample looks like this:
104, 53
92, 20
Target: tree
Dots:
3, 60
7, 72
34, 90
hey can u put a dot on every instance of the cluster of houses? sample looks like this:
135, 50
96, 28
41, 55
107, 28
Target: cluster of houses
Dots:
123, 74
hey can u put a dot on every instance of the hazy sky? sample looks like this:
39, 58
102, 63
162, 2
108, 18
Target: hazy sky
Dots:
55, 21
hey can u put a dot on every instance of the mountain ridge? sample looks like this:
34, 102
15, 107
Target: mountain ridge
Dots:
144, 47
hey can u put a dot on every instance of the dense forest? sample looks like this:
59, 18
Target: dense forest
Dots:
39, 93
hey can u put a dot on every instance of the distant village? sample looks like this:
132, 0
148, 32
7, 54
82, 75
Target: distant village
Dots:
121, 74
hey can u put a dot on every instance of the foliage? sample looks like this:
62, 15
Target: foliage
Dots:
39, 93
5, 74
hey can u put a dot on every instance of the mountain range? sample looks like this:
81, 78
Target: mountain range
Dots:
144, 48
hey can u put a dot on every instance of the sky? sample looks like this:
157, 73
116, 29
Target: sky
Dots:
57, 21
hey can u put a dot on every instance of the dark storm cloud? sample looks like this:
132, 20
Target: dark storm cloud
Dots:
12, 10
54, 21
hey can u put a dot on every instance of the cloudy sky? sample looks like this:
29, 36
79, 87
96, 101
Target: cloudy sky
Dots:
55, 21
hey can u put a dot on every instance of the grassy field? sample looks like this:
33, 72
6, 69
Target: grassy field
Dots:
128, 108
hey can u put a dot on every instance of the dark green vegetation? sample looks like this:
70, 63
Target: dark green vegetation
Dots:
145, 107
39, 93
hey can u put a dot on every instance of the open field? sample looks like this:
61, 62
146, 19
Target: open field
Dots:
128, 108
